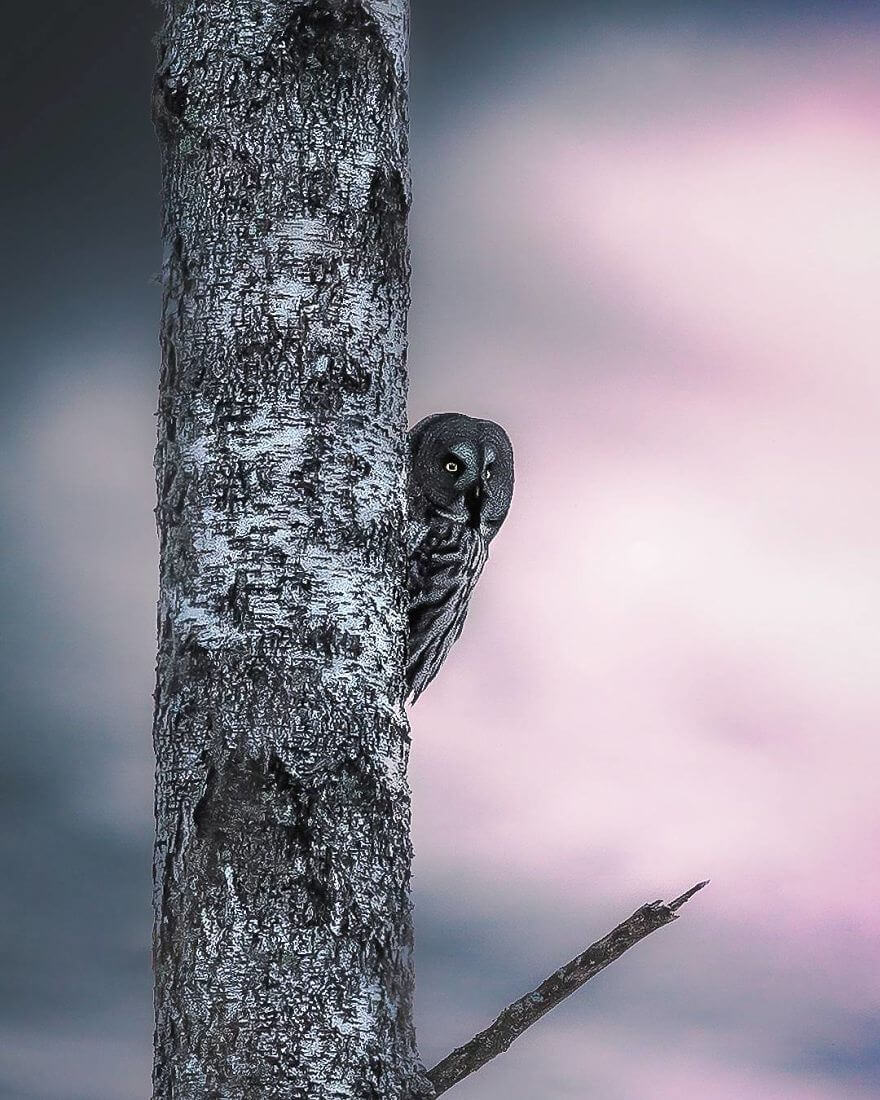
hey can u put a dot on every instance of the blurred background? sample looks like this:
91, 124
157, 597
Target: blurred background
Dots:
646, 238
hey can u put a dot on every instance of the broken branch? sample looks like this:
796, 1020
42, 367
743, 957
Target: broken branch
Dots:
520, 1015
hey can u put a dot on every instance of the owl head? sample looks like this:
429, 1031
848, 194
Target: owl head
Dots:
464, 467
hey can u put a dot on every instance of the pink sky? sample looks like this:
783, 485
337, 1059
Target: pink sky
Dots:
671, 668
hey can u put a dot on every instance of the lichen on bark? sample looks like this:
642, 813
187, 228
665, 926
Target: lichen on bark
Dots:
283, 934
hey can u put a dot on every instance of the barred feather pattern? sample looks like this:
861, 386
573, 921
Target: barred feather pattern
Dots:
445, 564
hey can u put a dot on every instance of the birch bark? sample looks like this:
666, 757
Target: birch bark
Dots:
282, 861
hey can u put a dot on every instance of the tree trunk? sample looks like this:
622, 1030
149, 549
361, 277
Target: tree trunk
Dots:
283, 934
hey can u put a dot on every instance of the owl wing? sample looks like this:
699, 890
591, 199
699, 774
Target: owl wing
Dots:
444, 567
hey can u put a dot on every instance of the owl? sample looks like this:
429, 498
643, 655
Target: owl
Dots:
460, 488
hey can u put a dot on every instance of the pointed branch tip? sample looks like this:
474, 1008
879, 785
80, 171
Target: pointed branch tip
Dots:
514, 1020
687, 895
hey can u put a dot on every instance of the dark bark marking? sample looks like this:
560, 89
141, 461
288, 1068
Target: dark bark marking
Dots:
319, 186
384, 229
170, 363
238, 599
336, 35
337, 378
248, 804
202, 811
327, 639
169, 104
198, 661
233, 488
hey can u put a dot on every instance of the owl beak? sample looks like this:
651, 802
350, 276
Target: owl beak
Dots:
475, 498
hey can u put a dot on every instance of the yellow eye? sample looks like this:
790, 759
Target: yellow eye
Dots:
452, 467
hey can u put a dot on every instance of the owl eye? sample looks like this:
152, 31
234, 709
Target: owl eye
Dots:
452, 467
488, 472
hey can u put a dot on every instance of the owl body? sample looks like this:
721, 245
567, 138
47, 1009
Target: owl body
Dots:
461, 484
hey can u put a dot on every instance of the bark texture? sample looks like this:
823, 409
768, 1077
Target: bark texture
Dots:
283, 933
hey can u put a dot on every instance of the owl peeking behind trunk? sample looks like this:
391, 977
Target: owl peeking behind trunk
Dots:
461, 484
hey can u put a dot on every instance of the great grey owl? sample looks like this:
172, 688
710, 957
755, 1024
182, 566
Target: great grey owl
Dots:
461, 484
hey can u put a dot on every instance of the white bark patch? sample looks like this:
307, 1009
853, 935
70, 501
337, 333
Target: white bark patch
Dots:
200, 622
